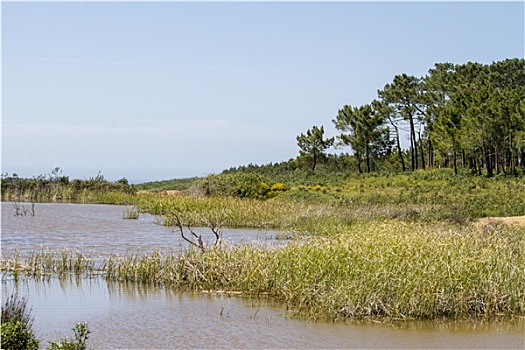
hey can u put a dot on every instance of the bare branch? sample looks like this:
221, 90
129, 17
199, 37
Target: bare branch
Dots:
214, 222
180, 227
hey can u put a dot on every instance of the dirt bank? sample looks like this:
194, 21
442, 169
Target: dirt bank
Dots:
511, 221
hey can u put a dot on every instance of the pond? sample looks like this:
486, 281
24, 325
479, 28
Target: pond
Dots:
127, 315
101, 230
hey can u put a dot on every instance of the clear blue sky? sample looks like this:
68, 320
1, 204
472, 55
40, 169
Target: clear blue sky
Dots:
153, 91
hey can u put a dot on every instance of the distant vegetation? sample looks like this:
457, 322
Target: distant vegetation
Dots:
167, 185
57, 187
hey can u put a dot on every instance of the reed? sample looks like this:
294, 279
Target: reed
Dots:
131, 213
391, 269
46, 262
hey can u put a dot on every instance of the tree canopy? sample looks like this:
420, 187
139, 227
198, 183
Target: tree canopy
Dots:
313, 145
468, 115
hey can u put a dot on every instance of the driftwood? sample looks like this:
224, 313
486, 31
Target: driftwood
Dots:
21, 210
195, 239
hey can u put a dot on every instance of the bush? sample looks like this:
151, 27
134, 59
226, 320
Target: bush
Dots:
16, 335
314, 188
278, 187
79, 343
243, 185
17, 325
16, 330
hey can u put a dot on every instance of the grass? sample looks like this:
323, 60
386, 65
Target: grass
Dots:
132, 213
396, 246
422, 196
46, 262
393, 269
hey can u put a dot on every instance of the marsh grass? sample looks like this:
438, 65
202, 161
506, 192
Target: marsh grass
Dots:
394, 270
429, 197
46, 262
131, 213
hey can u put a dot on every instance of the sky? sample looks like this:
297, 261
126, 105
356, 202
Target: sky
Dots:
152, 91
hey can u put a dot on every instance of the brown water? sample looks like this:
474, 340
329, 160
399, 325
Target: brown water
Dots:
101, 230
131, 316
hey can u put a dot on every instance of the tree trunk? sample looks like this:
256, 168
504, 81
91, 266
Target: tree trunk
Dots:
471, 163
367, 150
398, 145
455, 163
421, 150
413, 143
496, 162
488, 162
430, 163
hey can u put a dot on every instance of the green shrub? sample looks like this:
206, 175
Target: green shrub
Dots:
242, 185
17, 325
79, 343
16, 335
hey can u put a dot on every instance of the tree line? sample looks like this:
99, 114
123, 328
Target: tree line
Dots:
458, 115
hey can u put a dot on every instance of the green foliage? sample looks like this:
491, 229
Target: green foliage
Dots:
81, 331
17, 324
432, 194
167, 185
242, 185
16, 336
334, 170
313, 146
17, 333
459, 116
363, 129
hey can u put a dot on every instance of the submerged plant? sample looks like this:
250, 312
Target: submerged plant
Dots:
131, 213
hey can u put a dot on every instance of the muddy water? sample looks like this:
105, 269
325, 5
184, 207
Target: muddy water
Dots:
101, 230
131, 316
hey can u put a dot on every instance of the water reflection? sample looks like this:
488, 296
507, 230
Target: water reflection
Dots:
131, 315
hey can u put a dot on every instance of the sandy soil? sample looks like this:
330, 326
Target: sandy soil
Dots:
173, 192
511, 220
